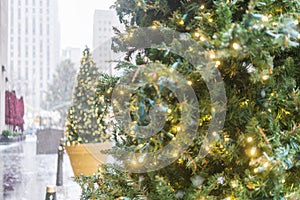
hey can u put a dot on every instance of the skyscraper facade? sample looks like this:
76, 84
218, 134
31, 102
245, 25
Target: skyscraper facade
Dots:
33, 43
104, 21
3, 59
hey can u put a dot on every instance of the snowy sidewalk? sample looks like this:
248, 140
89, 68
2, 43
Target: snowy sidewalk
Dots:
25, 175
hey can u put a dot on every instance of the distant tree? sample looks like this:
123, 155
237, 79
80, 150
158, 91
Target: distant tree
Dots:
59, 94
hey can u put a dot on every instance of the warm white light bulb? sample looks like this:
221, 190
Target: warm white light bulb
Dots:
265, 18
235, 46
253, 151
212, 55
265, 77
249, 139
141, 159
202, 38
133, 162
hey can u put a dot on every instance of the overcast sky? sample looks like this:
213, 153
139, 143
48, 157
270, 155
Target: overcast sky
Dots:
76, 21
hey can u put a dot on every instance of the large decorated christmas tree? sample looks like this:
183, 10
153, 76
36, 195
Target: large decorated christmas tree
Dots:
235, 57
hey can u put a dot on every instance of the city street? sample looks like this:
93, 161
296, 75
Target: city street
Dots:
25, 175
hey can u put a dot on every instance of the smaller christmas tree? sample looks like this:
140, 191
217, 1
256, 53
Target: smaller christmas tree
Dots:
82, 124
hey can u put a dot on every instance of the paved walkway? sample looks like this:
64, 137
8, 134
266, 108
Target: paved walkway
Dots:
25, 175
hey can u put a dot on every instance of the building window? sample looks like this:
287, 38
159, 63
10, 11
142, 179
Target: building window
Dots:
48, 55
33, 2
26, 73
41, 45
33, 53
41, 29
19, 13
33, 26
48, 72
26, 26
19, 46
41, 74
48, 29
12, 17
26, 51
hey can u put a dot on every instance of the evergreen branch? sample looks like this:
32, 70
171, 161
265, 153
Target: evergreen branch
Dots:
294, 129
137, 185
265, 137
192, 160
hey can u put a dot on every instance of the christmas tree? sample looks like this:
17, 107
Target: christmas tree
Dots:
254, 153
84, 124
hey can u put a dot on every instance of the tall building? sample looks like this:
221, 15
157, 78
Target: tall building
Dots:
34, 38
104, 21
73, 54
3, 59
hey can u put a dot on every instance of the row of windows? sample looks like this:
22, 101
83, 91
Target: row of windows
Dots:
33, 2
33, 72
27, 10
33, 54
33, 29
105, 22
105, 29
